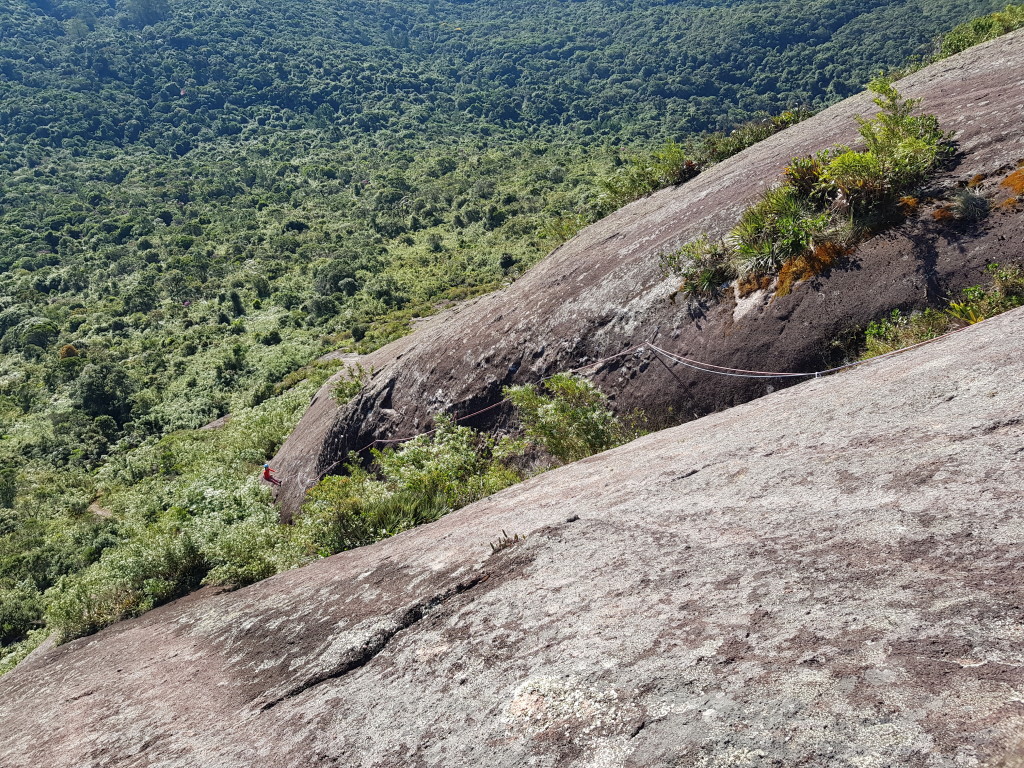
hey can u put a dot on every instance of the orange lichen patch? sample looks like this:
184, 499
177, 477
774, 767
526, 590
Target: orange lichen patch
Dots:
808, 265
753, 283
908, 205
1015, 182
945, 213
976, 180
1010, 202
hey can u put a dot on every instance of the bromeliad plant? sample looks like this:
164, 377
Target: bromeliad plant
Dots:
826, 202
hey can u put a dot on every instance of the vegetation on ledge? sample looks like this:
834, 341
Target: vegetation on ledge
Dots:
825, 205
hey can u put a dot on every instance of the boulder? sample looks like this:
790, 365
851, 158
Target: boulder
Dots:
604, 292
828, 576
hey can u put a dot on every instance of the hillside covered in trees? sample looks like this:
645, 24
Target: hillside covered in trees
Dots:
199, 199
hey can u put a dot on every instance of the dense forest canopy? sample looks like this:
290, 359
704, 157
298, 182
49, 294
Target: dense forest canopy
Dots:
199, 198
175, 75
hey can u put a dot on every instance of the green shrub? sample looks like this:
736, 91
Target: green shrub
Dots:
975, 304
715, 147
641, 175
703, 265
980, 30
248, 551
8, 487
1008, 283
827, 201
127, 581
901, 150
854, 180
413, 483
457, 464
569, 418
349, 384
335, 519
12, 655
778, 227
21, 610
900, 330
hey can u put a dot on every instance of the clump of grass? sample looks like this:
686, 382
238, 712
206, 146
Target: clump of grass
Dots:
505, 541
969, 206
780, 226
703, 267
1008, 284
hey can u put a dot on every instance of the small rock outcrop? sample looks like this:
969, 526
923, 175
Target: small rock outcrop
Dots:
603, 292
826, 577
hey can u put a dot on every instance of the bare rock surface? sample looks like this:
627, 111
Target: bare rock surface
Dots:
828, 576
603, 292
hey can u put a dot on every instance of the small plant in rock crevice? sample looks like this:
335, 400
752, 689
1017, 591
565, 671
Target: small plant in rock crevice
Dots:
704, 266
969, 206
506, 541
350, 383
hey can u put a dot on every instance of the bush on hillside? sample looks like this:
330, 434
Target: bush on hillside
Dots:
982, 29
568, 417
127, 581
900, 330
405, 486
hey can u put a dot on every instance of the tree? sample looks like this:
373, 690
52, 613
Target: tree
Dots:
105, 389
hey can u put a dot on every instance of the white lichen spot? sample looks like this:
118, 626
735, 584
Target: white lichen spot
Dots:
597, 719
731, 758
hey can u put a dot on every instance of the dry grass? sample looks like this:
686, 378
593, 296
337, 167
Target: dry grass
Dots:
1015, 182
753, 283
945, 213
908, 205
976, 180
808, 265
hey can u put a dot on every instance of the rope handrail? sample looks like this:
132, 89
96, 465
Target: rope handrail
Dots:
696, 365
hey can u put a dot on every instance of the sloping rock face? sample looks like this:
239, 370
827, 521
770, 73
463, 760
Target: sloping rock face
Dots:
827, 576
603, 292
